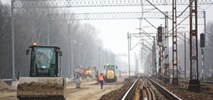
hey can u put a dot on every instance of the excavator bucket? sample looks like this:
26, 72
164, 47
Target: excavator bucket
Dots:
41, 88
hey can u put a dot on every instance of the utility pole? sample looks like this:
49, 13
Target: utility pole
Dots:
48, 30
160, 44
202, 63
79, 54
194, 83
136, 65
13, 44
69, 53
70, 59
154, 57
174, 44
202, 45
166, 48
185, 55
129, 45
70, 45
204, 50
160, 60
104, 56
99, 68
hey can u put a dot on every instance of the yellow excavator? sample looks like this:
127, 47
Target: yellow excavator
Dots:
44, 82
110, 73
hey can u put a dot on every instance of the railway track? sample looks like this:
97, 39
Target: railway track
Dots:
169, 95
131, 90
148, 93
141, 90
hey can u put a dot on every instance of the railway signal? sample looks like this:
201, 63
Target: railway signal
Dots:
160, 33
202, 40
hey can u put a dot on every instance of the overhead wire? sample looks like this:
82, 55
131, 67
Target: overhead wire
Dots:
141, 19
177, 25
147, 42
149, 10
146, 46
150, 23
183, 39
158, 9
184, 10
183, 36
135, 44
147, 34
209, 6
140, 22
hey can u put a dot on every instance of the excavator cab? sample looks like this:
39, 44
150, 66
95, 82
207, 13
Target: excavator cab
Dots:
44, 81
44, 61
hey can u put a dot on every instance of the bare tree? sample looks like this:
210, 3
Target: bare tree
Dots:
209, 49
5, 42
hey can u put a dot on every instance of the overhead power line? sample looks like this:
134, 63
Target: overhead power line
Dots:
136, 44
185, 9
158, 9
97, 3
178, 25
113, 15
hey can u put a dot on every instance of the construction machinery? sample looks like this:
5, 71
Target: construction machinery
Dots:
44, 82
110, 73
90, 72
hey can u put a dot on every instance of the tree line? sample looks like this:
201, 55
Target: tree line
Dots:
33, 25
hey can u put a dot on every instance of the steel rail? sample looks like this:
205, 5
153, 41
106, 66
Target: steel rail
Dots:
151, 93
164, 91
129, 93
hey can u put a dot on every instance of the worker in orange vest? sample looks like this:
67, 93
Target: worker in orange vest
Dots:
101, 80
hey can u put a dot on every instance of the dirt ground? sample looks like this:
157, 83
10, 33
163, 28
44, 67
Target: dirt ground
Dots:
5, 92
8, 95
90, 90
4, 86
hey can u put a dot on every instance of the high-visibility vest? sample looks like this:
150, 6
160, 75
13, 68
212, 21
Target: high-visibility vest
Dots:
101, 77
